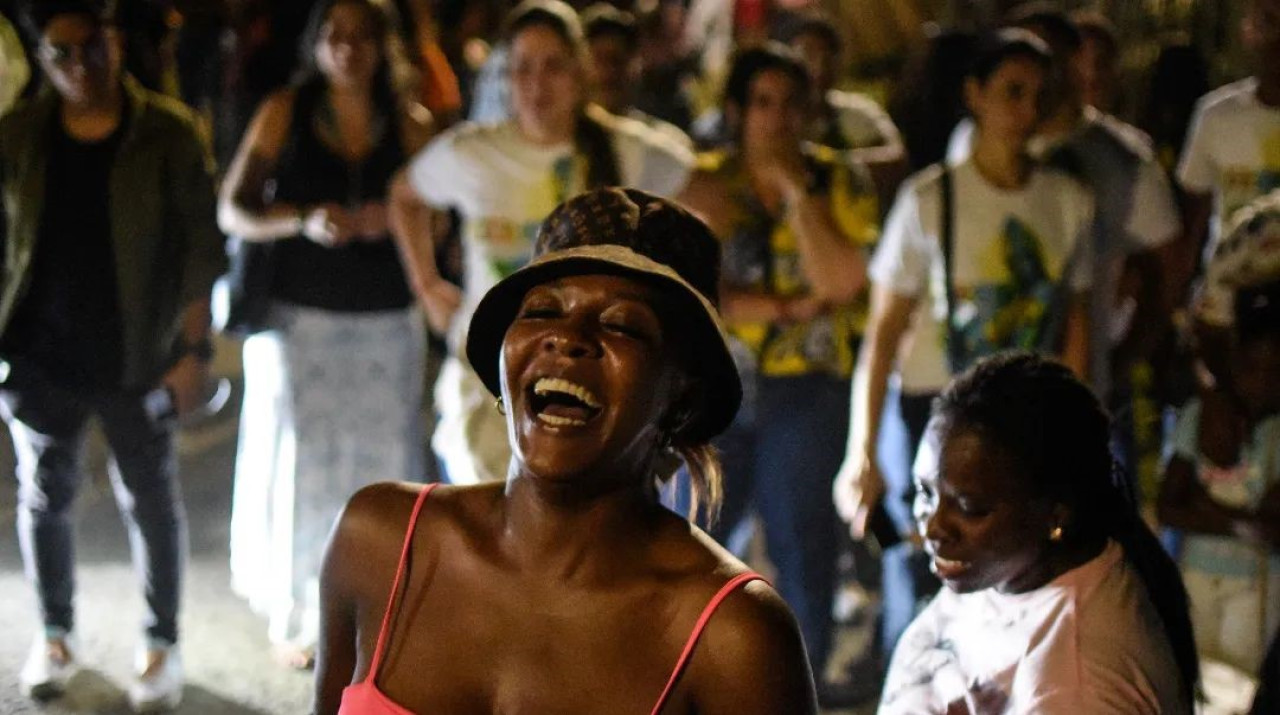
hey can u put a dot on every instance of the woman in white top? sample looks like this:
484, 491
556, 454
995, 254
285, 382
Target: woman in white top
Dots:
1057, 597
504, 179
1018, 264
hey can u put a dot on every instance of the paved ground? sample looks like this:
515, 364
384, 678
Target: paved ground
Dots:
228, 665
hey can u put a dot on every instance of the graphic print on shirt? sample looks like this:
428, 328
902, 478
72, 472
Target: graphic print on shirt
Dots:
935, 677
1010, 308
1243, 184
509, 245
761, 254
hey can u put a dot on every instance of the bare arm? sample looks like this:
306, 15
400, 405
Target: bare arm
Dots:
359, 568
1185, 504
835, 268
411, 226
752, 660
242, 207
1075, 344
1185, 252
859, 485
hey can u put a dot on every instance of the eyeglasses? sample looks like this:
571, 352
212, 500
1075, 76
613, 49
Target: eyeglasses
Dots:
92, 51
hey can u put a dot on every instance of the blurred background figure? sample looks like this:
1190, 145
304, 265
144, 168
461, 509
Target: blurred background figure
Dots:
1232, 153
842, 119
1222, 488
613, 41
14, 68
1097, 61
110, 253
795, 221
1178, 78
334, 383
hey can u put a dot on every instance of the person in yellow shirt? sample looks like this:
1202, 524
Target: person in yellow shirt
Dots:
795, 221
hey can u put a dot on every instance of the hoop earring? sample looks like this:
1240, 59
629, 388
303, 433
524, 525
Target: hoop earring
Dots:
500, 406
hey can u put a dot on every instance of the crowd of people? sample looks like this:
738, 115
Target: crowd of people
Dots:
1017, 358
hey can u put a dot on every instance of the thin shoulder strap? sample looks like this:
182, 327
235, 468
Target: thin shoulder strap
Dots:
955, 347
700, 626
385, 630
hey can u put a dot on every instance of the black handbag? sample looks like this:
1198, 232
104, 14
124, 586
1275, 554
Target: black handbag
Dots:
243, 293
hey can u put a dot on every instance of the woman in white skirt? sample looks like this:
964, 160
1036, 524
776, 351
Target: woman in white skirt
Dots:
333, 386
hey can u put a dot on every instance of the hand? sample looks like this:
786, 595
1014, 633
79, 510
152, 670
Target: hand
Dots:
799, 310
187, 381
1257, 530
784, 173
440, 301
372, 221
857, 491
329, 225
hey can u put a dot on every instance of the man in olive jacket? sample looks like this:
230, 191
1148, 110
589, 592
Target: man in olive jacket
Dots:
111, 249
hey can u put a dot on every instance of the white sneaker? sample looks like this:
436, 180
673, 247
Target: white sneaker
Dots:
160, 691
43, 677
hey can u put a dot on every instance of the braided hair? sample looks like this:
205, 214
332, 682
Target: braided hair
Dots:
1058, 435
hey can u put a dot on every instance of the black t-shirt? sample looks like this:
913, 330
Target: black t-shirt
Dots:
69, 321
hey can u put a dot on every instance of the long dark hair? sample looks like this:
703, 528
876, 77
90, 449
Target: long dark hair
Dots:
1058, 435
590, 137
384, 91
753, 62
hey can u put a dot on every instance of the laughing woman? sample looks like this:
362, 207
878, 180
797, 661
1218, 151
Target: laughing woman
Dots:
503, 179
1057, 598
569, 588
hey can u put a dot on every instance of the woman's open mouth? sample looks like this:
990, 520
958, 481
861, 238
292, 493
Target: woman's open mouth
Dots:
947, 569
561, 403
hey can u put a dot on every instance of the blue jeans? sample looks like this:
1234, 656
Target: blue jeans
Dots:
48, 423
779, 459
906, 579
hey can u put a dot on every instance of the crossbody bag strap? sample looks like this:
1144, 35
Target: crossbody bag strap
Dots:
955, 345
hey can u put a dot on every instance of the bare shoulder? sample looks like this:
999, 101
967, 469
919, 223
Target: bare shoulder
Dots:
751, 658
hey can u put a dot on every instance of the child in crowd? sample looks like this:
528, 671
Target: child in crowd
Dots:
1222, 485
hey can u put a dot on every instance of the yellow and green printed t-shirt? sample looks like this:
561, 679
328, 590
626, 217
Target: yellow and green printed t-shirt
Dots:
761, 255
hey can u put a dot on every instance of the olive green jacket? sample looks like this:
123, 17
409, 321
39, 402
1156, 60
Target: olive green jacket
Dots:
168, 250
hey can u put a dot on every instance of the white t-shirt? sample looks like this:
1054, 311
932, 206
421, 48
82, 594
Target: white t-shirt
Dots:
14, 71
863, 122
504, 187
1233, 151
1088, 642
1007, 245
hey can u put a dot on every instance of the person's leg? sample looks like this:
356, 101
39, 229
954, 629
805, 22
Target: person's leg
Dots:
802, 426
906, 578
47, 425
144, 470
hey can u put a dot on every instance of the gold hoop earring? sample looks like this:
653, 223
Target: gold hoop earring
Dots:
500, 406
1055, 534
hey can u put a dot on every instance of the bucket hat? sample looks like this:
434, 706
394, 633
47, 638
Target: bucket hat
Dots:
635, 234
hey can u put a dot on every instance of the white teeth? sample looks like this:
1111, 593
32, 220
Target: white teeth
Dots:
557, 421
556, 384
